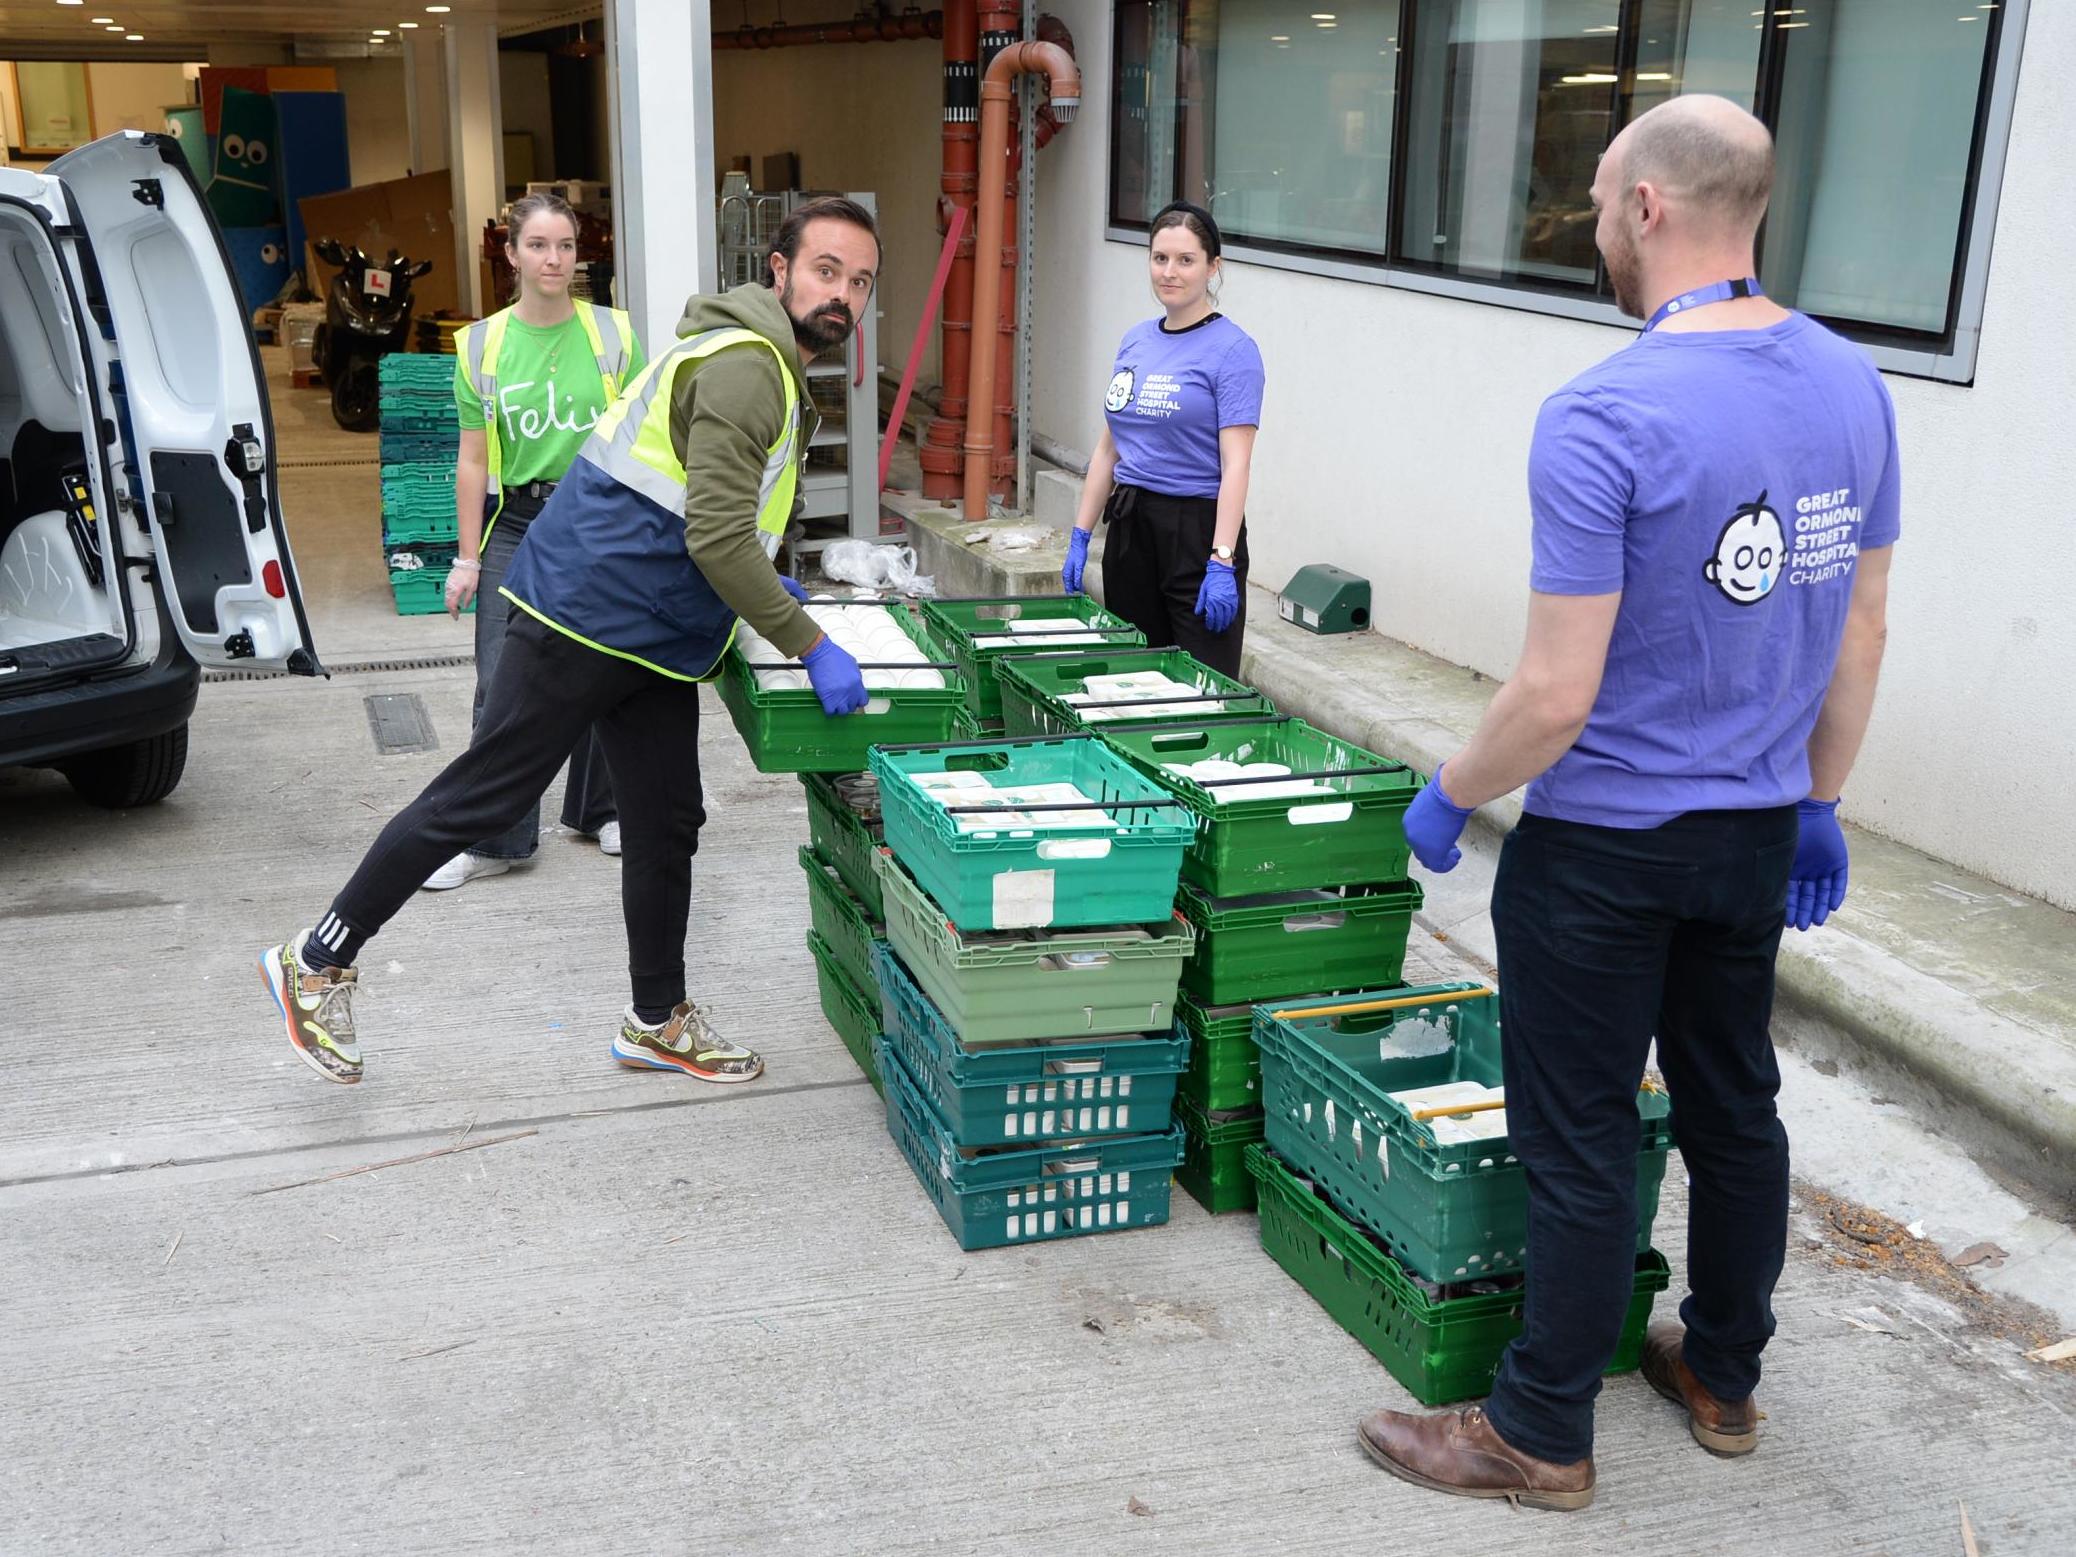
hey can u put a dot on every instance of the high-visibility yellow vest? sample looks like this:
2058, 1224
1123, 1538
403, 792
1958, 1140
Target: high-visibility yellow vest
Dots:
605, 561
478, 348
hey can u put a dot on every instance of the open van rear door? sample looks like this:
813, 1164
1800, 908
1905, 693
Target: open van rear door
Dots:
191, 402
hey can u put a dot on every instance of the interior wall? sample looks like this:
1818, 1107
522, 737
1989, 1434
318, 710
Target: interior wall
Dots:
135, 96
862, 116
527, 107
378, 126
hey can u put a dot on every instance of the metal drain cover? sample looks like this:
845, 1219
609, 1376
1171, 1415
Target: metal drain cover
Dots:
399, 723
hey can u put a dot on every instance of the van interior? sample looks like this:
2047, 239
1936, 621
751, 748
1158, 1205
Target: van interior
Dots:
56, 583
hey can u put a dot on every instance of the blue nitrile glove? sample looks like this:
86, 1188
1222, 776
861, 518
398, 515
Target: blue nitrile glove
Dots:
1218, 598
1077, 560
793, 587
1816, 881
1433, 824
835, 676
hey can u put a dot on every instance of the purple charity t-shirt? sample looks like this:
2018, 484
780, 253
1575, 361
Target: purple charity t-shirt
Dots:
1171, 394
1724, 482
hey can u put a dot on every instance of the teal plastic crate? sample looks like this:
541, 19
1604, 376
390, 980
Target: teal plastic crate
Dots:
786, 731
1278, 944
422, 592
1031, 986
1015, 875
983, 630
1214, 1159
1036, 689
843, 922
1440, 1346
1034, 1092
1224, 1075
1001, 1198
1251, 839
845, 836
1447, 1199
853, 1013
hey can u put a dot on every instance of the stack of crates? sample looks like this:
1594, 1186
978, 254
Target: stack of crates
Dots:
845, 908
419, 442
1028, 1054
1388, 1190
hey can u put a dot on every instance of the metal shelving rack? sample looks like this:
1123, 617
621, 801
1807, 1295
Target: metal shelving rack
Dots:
841, 501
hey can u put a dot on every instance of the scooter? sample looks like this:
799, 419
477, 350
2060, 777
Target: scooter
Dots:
367, 315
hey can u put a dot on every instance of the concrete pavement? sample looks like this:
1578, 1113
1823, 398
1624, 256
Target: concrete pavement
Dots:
703, 1320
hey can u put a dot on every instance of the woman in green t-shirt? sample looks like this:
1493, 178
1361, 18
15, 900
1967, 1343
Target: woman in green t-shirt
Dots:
529, 384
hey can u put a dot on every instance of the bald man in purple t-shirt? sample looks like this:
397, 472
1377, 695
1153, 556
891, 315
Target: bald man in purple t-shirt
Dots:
1713, 511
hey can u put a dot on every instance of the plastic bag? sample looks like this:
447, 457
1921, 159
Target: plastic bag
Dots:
1019, 539
876, 567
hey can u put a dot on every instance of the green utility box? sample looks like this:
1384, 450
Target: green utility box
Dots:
1322, 598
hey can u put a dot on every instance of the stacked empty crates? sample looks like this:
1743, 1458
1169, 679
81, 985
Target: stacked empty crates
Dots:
1294, 880
420, 439
1388, 1190
846, 909
1029, 1055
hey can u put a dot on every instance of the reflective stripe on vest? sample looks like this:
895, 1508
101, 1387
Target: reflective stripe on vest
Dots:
605, 564
479, 346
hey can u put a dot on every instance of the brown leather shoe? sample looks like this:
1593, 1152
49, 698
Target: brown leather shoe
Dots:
1459, 1452
1723, 1427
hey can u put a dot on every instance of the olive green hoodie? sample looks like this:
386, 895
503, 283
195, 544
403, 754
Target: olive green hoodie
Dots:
726, 411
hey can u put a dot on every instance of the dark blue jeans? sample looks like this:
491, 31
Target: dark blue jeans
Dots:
587, 794
1606, 938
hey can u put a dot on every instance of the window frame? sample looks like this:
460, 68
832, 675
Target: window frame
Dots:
1948, 358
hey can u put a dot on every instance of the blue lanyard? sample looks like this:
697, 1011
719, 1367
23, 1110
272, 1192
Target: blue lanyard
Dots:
1701, 297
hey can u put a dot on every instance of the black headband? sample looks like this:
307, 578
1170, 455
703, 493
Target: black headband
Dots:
1207, 228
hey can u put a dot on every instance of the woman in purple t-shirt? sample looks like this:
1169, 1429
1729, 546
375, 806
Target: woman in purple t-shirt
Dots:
1170, 473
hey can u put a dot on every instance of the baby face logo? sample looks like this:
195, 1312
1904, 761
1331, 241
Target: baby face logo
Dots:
1120, 394
1749, 554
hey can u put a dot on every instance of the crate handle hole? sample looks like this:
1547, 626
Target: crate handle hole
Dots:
1301, 922
1317, 815
1183, 740
1074, 849
976, 762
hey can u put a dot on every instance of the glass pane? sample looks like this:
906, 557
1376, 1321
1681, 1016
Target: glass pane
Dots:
1707, 46
1145, 111
1299, 119
1512, 102
1876, 128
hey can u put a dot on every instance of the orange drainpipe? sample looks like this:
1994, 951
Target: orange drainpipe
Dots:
940, 449
989, 365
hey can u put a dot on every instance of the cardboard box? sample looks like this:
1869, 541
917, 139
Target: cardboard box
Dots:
411, 214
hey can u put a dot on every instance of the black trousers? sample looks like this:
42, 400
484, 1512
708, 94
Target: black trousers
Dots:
547, 690
1153, 565
1606, 937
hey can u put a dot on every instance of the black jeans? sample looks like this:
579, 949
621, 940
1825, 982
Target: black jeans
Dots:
1606, 937
587, 795
547, 691
1153, 565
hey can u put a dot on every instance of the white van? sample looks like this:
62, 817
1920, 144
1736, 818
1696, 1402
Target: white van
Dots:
140, 518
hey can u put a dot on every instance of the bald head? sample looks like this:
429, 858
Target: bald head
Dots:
1706, 156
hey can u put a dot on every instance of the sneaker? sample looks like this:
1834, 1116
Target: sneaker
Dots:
609, 838
464, 867
685, 1043
317, 1008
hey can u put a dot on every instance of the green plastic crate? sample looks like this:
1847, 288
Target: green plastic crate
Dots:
422, 592
1032, 986
1016, 877
845, 839
1035, 1092
853, 1013
1035, 689
977, 631
1214, 1159
1279, 944
1224, 1075
1452, 1210
1002, 1198
1352, 835
1440, 1348
840, 919
787, 732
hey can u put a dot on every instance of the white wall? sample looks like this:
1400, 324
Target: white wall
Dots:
135, 96
378, 121
1395, 439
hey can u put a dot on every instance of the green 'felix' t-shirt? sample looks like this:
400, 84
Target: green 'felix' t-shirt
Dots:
549, 397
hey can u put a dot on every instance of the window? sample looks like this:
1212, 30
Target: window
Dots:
1456, 140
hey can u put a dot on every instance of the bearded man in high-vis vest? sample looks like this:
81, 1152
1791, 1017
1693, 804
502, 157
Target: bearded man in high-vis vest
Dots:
625, 594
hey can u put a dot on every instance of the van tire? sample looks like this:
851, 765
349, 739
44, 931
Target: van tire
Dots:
140, 773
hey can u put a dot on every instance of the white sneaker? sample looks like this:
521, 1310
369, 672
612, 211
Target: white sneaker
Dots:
609, 838
464, 867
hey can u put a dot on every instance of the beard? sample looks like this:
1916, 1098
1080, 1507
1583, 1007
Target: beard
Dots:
1620, 258
823, 330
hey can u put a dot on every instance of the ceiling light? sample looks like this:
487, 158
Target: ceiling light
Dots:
380, 32
407, 26
438, 10
135, 37
1279, 37
1590, 78
1611, 27
1654, 75
1323, 16
71, 2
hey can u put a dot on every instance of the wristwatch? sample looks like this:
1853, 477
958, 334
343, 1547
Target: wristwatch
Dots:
1224, 554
